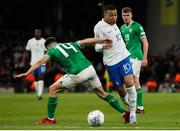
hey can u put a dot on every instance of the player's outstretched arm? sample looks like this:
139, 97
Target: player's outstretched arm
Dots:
93, 41
33, 67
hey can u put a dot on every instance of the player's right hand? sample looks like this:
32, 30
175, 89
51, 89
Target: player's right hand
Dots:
20, 75
107, 45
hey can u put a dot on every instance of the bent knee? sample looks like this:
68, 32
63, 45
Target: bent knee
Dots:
51, 89
129, 83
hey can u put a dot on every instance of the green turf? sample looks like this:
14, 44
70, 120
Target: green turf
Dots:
22, 111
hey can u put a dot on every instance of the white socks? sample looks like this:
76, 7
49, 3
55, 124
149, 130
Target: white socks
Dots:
132, 96
39, 85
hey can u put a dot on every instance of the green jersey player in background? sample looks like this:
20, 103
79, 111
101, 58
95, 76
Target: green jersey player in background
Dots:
137, 44
79, 71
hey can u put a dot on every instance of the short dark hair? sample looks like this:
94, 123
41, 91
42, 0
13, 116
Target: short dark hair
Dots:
126, 10
109, 7
49, 40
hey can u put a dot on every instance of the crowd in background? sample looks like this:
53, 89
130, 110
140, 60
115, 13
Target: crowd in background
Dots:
65, 19
161, 74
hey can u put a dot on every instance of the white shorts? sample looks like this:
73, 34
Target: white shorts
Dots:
136, 66
87, 77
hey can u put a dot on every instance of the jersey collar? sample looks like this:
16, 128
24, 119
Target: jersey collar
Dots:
130, 24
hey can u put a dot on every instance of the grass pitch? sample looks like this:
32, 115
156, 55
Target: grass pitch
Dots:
22, 111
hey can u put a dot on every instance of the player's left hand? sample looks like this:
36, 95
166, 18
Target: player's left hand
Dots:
144, 62
107, 43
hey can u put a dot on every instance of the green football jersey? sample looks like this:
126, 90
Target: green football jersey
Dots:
69, 56
132, 35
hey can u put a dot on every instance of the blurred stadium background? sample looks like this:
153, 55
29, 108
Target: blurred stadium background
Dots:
70, 20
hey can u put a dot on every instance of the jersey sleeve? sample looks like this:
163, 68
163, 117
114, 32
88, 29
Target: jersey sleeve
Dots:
97, 34
28, 45
140, 31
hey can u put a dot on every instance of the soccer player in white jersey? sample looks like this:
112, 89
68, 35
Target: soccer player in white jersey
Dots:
116, 58
35, 47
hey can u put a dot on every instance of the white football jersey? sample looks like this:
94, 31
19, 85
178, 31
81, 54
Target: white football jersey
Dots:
118, 52
37, 49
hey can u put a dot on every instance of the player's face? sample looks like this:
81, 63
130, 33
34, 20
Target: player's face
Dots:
37, 34
110, 16
127, 17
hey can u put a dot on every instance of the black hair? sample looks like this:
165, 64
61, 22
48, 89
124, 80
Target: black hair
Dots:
38, 30
49, 40
109, 7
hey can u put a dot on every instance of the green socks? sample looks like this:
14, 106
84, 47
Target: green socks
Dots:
139, 97
52, 103
114, 103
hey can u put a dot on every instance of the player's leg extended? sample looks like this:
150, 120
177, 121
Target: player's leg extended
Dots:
132, 96
52, 103
113, 102
110, 99
95, 83
126, 73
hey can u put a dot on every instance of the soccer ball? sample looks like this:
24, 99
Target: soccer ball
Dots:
95, 118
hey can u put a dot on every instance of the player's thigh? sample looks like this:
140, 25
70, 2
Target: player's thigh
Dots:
90, 78
56, 87
115, 74
68, 81
86, 77
94, 83
71, 80
136, 66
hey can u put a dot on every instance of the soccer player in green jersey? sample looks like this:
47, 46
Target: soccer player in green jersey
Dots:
79, 71
137, 44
